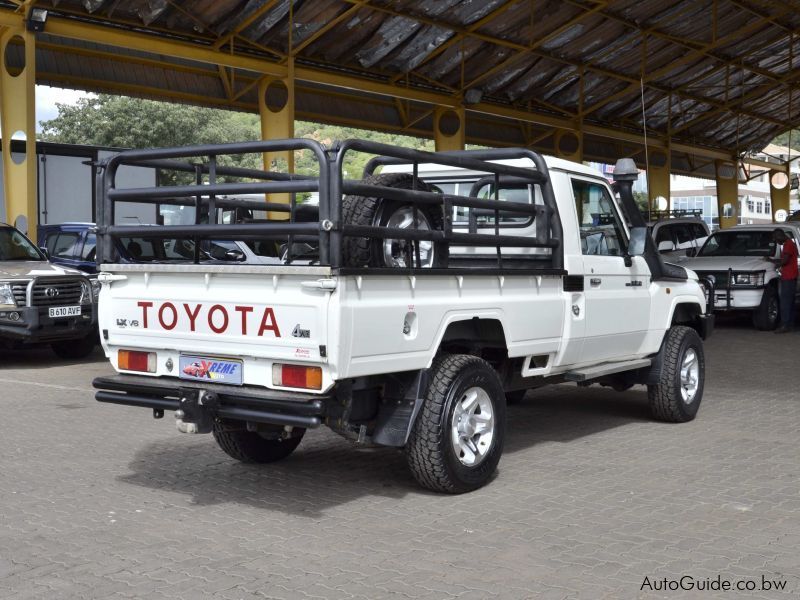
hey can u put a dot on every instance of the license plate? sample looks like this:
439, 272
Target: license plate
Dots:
65, 311
210, 369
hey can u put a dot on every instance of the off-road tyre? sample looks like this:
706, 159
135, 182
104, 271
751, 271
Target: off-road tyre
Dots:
366, 211
250, 447
767, 315
429, 450
666, 400
74, 349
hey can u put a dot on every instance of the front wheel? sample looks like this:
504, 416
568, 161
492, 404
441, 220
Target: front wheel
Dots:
251, 446
677, 395
457, 439
766, 315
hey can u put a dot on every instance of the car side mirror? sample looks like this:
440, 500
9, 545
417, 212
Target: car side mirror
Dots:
666, 246
691, 252
46, 252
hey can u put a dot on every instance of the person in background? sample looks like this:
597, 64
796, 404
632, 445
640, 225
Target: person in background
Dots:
787, 287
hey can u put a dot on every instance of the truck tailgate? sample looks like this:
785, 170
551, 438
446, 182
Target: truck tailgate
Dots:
245, 312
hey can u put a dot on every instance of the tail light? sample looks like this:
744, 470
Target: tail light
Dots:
297, 376
134, 360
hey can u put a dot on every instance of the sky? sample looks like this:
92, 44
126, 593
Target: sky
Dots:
46, 98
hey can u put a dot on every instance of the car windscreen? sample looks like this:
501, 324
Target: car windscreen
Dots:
739, 243
15, 246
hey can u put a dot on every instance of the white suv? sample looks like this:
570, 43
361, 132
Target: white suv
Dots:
743, 278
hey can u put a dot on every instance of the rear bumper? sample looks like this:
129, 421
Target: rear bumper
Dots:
201, 403
36, 327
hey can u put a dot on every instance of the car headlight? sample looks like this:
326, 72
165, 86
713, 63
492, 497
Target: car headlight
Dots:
95, 288
7, 294
86, 292
754, 279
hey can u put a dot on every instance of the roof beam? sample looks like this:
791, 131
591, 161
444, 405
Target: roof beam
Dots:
257, 14
687, 58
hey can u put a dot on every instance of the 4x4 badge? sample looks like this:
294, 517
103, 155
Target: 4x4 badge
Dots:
298, 332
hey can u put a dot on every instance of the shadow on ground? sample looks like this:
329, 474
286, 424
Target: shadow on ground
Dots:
328, 471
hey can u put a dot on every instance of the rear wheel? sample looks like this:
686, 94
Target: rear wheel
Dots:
677, 395
457, 439
252, 446
767, 315
383, 212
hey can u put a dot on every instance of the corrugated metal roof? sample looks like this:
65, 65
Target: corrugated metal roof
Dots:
716, 73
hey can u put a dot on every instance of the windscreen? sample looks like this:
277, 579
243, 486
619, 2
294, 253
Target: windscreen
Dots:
15, 246
739, 243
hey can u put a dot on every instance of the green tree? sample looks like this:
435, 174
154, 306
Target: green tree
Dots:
124, 122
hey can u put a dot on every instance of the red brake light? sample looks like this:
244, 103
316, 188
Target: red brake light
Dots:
297, 376
134, 360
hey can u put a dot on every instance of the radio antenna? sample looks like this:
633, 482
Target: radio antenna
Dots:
646, 153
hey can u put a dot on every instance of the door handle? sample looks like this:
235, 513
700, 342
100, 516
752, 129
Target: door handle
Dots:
595, 281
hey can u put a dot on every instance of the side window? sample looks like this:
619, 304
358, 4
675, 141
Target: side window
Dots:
684, 234
88, 247
699, 231
601, 229
664, 234
63, 245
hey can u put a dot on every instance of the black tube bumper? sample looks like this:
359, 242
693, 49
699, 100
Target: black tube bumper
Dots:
201, 404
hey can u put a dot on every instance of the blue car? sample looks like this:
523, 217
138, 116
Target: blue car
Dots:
70, 244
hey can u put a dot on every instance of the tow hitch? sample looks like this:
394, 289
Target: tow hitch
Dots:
196, 411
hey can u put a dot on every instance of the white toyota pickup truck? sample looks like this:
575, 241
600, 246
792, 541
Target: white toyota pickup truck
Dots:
398, 312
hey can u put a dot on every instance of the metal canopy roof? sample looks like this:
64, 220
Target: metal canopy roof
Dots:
717, 78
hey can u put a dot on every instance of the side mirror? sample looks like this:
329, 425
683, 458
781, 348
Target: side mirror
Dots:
666, 246
45, 252
691, 252
236, 255
638, 241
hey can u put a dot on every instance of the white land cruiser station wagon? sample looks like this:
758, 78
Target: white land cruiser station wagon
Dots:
735, 259
399, 313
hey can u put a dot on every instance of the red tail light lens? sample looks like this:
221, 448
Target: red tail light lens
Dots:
134, 360
297, 376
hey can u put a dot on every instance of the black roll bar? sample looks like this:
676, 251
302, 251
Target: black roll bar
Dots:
215, 181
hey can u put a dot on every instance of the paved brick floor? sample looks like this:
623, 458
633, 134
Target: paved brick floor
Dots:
101, 501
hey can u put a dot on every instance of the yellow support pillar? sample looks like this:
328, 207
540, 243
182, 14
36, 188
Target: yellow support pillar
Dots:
658, 180
779, 194
449, 126
276, 108
727, 193
18, 121
569, 145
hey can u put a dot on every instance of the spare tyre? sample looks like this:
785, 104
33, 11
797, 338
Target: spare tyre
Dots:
384, 212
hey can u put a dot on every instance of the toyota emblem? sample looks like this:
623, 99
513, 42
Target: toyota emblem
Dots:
51, 292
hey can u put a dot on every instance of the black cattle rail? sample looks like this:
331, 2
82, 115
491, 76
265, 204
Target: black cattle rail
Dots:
214, 183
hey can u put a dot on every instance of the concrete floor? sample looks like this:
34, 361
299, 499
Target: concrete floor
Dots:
592, 498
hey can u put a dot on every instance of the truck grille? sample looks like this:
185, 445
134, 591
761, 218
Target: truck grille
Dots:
64, 292
49, 292
19, 290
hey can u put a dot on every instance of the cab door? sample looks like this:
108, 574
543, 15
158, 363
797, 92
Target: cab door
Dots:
617, 296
